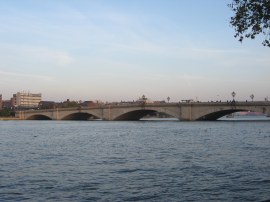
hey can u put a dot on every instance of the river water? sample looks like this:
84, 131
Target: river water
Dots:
134, 161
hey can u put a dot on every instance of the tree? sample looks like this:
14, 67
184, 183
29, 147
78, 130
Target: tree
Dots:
252, 17
70, 104
6, 112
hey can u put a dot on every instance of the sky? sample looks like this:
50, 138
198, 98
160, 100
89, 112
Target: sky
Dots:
119, 50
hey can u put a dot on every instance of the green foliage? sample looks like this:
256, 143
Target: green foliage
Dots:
6, 113
252, 17
70, 104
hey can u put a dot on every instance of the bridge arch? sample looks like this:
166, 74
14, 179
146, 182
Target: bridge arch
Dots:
80, 116
133, 115
216, 115
38, 117
137, 114
213, 116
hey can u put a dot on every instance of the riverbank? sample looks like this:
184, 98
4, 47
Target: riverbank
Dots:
8, 118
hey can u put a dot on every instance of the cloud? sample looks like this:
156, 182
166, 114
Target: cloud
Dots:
31, 76
218, 50
40, 55
59, 58
116, 18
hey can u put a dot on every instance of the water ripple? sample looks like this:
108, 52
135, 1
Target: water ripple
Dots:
134, 161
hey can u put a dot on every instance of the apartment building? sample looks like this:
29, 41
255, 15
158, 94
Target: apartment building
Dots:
26, 100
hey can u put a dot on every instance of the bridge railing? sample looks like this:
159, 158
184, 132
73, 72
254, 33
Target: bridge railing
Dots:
136, 104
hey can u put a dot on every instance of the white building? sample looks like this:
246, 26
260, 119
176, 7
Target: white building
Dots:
143, 99
26, 100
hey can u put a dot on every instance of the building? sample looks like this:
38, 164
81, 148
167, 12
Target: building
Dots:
26, 100
12, 101
89, 104
6, 104
1, 102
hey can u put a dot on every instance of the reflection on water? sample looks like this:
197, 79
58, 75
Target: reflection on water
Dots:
245, 118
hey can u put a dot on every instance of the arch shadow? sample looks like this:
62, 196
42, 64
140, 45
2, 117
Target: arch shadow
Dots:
80, 116
216, 115
38, 117
137, 115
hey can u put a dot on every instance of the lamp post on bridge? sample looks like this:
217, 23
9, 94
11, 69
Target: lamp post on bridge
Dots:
252, 97
233, 95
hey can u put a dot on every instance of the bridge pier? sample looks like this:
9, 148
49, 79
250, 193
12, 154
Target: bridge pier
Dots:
107, 114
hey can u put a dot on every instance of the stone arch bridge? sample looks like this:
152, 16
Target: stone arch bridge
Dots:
183, 111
